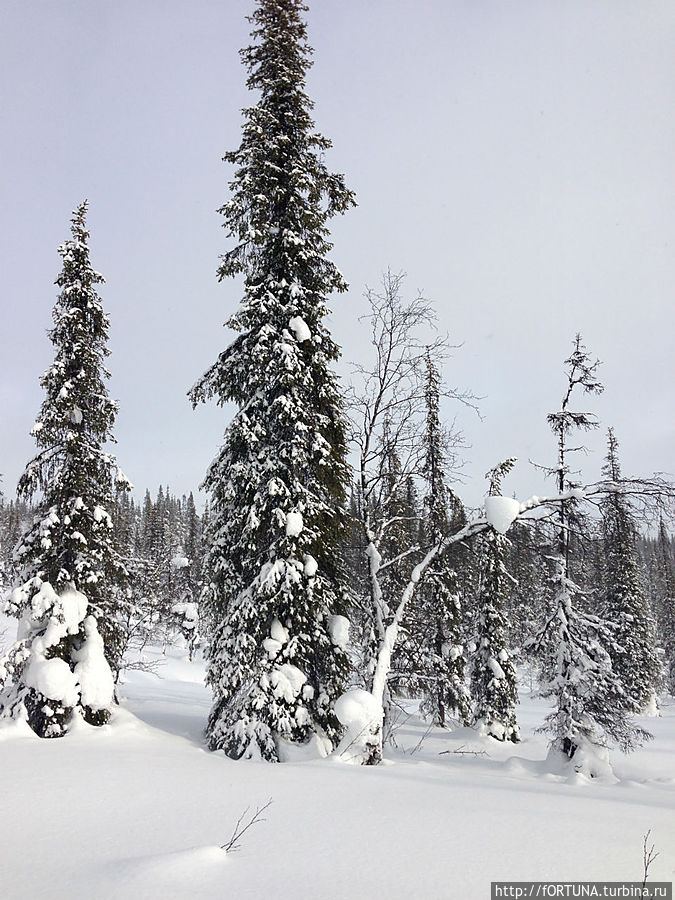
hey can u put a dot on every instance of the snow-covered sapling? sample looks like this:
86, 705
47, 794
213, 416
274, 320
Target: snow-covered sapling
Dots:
577, 648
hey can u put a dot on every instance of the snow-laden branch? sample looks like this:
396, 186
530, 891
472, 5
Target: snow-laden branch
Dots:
495, 516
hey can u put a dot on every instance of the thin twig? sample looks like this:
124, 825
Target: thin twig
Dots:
648, 857
418, 745
460, 751
240, 830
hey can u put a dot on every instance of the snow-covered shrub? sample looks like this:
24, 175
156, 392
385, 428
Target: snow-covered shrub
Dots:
57, 667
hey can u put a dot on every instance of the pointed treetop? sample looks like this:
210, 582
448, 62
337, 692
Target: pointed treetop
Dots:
612, 467
582, 371
496, 474
79, 216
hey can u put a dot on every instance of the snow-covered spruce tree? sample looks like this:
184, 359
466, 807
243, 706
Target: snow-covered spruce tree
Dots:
441, 660
69, 568
634, 655
272, 570
663, 579
528, 592
577, 672
589, 699
4, 540
494, 687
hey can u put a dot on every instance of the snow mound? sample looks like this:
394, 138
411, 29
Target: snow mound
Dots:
278, 637
361, 715
590, 762
196, 872
357, 708
501, 512
278, 632
92, 671
66, 612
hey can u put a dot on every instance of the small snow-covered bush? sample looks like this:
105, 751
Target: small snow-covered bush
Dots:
57, 667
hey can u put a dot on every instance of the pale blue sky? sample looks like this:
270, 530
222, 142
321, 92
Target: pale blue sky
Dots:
514, 157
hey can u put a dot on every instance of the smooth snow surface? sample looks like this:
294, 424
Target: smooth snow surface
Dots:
501, 512
138, 809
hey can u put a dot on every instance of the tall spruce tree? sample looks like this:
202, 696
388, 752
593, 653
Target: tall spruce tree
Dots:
634, 655
442, 657
4, 540
272, 570
494, 686
664, 587
66, 593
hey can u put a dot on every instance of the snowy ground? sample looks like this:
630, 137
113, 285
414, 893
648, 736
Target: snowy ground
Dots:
138, 809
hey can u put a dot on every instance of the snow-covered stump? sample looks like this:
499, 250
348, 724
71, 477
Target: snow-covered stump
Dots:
362, 716
590, 760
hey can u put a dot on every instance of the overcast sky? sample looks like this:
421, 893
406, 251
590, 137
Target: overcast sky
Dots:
514, 157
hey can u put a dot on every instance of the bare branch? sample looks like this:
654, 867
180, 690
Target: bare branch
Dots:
243, 826
648, 857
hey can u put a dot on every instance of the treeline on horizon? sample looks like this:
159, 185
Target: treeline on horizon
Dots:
154, 534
